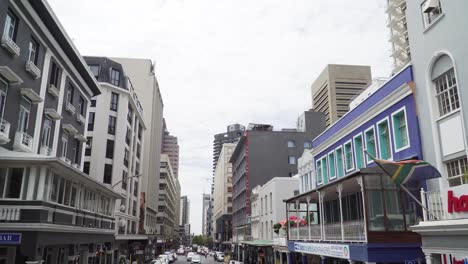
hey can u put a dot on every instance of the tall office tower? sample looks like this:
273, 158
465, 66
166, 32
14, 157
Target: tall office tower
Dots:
184, 210
205, 209
169, 198
50, 210
336, 86
115, 142
222, 200
143, 78
171, 148
396, 22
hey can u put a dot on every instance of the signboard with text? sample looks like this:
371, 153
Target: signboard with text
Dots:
10, 238
455, 200
329, 250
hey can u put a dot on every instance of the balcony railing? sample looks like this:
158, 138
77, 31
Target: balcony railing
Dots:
352, 231
10, 214
33, 69
80, 118
4, 132
70, 108
433, 201
10, 45
23, 142
45, 150
52, 89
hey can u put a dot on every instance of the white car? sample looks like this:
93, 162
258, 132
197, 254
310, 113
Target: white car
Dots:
156, 261
220, 257
196, 259
164, 259
189, 256
172, 256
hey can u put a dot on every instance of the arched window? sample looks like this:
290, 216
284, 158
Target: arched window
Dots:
445, 82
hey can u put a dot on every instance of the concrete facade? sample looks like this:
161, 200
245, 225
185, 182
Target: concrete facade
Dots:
336, 86
205, 211
168, 202
171, 148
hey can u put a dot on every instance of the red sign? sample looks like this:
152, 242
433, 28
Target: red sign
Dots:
463, 261
457, 204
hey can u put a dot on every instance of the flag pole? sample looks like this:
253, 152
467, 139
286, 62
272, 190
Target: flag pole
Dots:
401, 186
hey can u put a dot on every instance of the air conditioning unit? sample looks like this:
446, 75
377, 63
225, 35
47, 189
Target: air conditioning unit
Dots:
430, 5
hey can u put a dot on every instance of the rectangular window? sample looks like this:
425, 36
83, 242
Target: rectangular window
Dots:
108, 173
124, 180
457, 171
359, 152
110, 149
307, 145
76, 151
371, 147
111, 126
91, 121
54, 75
291, 144
86, 167
325, 169
339, 162
400, 130
447, 93
70, 92
128, 136
130, 114
115, 77
318, 168
82, 106
135, 189
140, 131
89, 146
93, 102
94, 70
64, 145
126, 154
46, 131
23, 120
331, 165
291, 160
348, 151
3, 93
11, 180
385, 146
431, 10
11, 25
114, 101
33, 51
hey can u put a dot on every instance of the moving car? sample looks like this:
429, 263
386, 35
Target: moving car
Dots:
171, 255
189, 256
196, 259
164, 259
220, 257
180, 251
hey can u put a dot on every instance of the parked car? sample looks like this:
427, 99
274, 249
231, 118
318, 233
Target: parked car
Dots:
171, 255
164, 259
180, 251
196, 259
189, 256
220, 257
235, 262
156, 261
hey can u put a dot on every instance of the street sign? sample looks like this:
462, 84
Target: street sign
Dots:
10, 238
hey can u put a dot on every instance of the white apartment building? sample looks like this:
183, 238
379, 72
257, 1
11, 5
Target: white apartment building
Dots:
306, 172
113, 154
168, 202
268, 206
222, 208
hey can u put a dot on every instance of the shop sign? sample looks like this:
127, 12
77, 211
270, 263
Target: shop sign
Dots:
329, 250
280, 241
457, 204
459, 259
10, 238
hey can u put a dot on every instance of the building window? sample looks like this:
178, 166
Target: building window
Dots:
110, 149
114, 101
291, 160
457, 171
86, 166
400, 130
385, 146
371, 147
3, 93
307, 145
82, 106
331, 165
348, 151
130, 114
46, 131
135, 189
115, 77
291, 144
111, 126
325, 168
319, 172
128, 136
11, 25
89, 146
70, 92
64, 145
126, 154
359, 152
140, 131
11, 180
431, 10
339, 162
33, 51
124, 180
23, 120
271, 202
94, 70
76, 151
108, 173
447, 93
54, 75
91, 121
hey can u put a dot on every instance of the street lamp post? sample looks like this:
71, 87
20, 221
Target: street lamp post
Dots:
134, 176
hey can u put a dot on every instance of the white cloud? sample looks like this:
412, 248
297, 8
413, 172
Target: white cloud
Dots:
225, 61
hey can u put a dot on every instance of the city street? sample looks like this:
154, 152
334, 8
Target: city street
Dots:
208, 260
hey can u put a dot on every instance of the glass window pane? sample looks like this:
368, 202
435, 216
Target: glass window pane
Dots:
375, 210
358, 152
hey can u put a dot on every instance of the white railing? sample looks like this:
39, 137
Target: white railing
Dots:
303, 233
10, 45
23, 142
354, 231
433, 201
4, 131
45, 150
333, 231
9, 214
33, 69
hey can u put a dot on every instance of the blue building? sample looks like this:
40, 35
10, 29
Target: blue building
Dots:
353, 213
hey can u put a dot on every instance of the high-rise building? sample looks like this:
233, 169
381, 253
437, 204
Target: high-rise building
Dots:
169, 199
50, 211
171, 148
205, 211
336, 86
253, 163
396, 22
222, 198
142, 76
184, 210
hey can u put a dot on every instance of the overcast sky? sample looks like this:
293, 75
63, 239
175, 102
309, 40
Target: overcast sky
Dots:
229, 61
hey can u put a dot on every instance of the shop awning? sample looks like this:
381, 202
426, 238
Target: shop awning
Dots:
259, 243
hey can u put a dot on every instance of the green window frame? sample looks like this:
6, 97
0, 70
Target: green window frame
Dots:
371, 146
325, 169
385, 144
319, 172
331, 165
339, 161
358, 151
400, 130
348, 153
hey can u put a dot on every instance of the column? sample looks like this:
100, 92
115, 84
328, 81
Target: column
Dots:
323, 260
423, 201
41, 189
287, 224
281, 257
360, 181
289, 259
33, 172
308, 218
304, 259
322, 219
428, 258
339, 189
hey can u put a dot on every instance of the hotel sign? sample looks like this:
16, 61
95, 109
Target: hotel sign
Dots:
329, 250
10, 238
455, 201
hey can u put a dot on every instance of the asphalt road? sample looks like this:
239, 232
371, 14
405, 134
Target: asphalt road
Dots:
208, 260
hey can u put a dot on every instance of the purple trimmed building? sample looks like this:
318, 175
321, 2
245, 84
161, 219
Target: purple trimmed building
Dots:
355, 216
